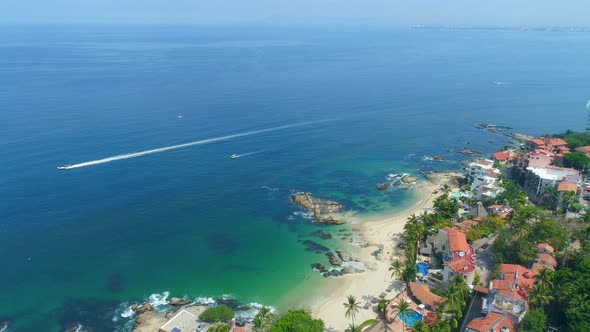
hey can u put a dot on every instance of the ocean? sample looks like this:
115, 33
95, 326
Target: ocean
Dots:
347, 105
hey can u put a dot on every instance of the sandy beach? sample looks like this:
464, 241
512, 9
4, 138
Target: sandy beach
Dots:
374, 232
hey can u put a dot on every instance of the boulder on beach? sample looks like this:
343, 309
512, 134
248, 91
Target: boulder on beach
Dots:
325, 212
344, 256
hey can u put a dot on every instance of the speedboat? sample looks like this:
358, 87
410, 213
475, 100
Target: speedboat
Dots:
234, 156
64, 167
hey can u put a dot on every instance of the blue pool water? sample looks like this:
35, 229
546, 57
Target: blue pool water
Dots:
411, 318
423, 268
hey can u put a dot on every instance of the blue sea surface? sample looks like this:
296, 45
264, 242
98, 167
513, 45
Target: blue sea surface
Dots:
76, 246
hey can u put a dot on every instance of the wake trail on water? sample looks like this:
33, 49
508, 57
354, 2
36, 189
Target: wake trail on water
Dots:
185, 145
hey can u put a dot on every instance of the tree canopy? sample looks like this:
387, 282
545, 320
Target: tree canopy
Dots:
220, 313
577, 160
297, 321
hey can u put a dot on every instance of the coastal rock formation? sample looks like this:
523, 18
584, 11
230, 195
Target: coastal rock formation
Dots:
344, 256
319, 268
409, 179
334, 259
144, 308
179, 301
332, 273
325, 212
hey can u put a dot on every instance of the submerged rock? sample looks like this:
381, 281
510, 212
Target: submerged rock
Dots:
314, 247
325, 212
409, 179
322, 235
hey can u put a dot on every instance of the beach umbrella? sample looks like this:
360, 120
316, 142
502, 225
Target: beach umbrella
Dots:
421, 306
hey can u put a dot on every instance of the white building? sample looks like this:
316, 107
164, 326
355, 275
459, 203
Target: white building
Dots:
550, 176
484, 179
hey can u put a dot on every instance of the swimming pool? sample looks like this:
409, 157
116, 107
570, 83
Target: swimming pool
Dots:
423, 268
411, 317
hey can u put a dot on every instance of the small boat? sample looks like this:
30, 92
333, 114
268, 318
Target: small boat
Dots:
234, 156
64, 167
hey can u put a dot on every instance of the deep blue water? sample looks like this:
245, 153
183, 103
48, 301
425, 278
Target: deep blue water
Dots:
75, 244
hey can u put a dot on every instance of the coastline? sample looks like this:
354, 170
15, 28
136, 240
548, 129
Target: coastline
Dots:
373, 231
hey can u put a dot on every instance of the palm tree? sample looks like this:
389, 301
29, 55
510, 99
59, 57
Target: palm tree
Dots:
545, 279
352, 328
420, 326
352, 307
403, 310
446, 189
409, 272
540, 297
396, 269
262, 320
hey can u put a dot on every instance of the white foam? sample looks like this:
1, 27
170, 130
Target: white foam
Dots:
179, 146
251, 310
588, 104
205, 300
158, 300
304, 215
269, 188
356, 265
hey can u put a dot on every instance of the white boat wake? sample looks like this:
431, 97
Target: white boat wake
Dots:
248, 154
180, 146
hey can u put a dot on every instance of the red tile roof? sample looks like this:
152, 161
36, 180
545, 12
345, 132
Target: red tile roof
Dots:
538, 141
457, 240
556, 142
493, 321
239, 329
567, 186
547, 260
481, 289
501, 156
514, 276
545, 246
585, 149
424, 295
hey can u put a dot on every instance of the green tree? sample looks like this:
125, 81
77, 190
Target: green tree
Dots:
409, 272
577, 160
539, 297
534, 321
396, 269
262, 320
575, 140
219, 327
352, 307
297, 321
220, 313
420, 326
457, 296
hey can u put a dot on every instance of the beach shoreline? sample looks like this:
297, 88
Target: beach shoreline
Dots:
374, 231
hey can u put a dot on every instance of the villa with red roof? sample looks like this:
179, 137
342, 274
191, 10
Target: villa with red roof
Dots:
505, 156
492, 322
458, 255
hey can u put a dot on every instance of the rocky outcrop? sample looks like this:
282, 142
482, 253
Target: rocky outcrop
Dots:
325, 212
409, 179
344, 256
179, 301
144, 308
334, 259
319, 268
322, 235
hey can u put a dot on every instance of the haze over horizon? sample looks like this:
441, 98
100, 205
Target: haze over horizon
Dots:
426, 12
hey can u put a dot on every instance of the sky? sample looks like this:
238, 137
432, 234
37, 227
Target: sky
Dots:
394, 12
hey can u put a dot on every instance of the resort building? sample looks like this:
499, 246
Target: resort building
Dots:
484, 179
546, 144
421, 292
493, 322
535, 159
545, 248
539, 178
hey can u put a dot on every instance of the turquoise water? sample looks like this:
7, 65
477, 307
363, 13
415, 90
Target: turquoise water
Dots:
75, 245
423, 268
411, 317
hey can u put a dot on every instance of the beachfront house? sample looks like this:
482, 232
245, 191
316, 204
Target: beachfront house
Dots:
484, 179
458, 257
421, 292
